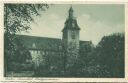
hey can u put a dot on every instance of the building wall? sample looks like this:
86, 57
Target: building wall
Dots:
43, 57
68, 41
37, 58
72, 41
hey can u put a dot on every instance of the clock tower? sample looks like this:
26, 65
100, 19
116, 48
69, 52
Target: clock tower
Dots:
70, 37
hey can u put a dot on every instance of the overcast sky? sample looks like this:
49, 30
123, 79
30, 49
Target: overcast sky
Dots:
95, 21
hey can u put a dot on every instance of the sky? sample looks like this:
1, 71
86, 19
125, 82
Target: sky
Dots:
95, 21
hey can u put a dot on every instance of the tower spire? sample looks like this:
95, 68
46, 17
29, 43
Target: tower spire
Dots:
71, 12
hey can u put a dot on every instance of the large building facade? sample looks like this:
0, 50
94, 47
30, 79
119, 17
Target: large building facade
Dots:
69, 46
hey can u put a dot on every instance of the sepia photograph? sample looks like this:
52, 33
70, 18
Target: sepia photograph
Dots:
64, 40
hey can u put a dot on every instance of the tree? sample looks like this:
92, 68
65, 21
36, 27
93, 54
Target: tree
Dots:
85, 58
17, 18
110, 55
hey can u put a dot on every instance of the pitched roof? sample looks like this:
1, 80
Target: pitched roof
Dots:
35, 42
40, 42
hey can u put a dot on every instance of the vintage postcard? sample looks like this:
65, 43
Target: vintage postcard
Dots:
63, 41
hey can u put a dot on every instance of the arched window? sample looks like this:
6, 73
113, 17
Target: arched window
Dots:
31, 52
38, 52
43, 52
34, 45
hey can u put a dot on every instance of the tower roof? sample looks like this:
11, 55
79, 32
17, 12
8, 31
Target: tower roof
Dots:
71, 22
71, 9
70, 13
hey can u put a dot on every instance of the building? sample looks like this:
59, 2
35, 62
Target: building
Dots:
69, 46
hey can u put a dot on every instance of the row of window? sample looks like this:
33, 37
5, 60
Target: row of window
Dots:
43, 52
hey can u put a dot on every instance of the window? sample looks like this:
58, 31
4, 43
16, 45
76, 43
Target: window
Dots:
73, 25
73, 35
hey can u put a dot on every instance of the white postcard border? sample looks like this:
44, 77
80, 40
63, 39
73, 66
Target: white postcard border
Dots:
43, 79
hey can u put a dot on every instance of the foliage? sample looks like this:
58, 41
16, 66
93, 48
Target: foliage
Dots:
17, 18
51, 65
18, 55
109, 55
104, 60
